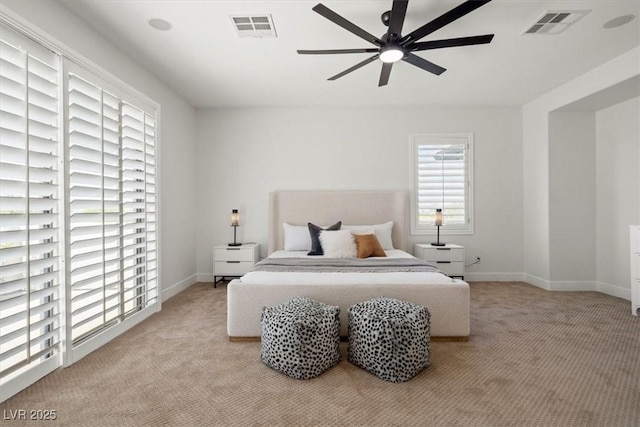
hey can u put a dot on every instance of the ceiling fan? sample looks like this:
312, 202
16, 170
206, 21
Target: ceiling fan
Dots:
393, 46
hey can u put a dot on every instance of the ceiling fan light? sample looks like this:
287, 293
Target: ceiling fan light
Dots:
391, 54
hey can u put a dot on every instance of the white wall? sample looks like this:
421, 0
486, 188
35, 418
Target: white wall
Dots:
572, 196
243, 154
177, 175
536, 140
535, 186
618, 191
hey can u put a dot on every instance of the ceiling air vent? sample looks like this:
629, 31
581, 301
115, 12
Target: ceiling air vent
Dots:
556, 21
253, 25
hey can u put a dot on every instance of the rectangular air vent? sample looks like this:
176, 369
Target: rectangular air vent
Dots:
254, 25
556, 21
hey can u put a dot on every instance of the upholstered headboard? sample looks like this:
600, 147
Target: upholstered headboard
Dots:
328, 207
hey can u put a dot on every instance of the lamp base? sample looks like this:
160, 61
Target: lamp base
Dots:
235, 244
438, 244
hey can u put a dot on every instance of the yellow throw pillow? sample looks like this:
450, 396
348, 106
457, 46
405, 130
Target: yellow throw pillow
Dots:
368, 246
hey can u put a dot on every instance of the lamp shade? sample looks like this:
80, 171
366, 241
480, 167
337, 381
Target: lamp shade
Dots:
235, 218
438, 224
438, 217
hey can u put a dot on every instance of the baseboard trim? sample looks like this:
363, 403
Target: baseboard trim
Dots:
613, 290
537, 281
176, 288
593, 286
570, 285
560, 285
493, 277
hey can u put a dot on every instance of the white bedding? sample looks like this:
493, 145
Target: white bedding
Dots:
395, 278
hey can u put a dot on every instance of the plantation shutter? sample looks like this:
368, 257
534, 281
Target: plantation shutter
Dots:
112, 224
442, 180
30, 218
139, 208
94, 207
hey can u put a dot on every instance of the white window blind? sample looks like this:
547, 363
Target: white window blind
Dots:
30, 218
112, 224
442, 180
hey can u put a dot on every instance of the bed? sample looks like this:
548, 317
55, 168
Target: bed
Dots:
446, 298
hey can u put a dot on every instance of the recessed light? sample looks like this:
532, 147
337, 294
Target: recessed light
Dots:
160, 24
618, 22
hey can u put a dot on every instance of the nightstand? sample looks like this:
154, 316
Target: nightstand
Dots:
233, 261
448, 258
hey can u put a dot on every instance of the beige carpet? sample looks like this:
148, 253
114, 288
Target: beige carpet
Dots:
535, 358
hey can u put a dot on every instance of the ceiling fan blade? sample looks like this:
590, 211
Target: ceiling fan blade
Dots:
455, 13
333, 51
462, 41
347, 25
384, 74
424, 64
355, 67
398, 12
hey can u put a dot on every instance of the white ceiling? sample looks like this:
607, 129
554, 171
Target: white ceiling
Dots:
203, 59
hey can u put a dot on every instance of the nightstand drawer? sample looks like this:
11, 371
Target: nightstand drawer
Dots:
449, 268
449, 258
233, 261
234, 254
436, 254
231, 268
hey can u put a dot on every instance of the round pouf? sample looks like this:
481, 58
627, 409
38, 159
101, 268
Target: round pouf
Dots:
301, 337
389, 338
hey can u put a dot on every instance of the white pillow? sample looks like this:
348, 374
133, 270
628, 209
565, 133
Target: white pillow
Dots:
296, 237
382, 231
338, 244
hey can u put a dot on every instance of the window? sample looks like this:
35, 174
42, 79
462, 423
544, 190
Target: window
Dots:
30, 218
442, 179
111, 207
78, 209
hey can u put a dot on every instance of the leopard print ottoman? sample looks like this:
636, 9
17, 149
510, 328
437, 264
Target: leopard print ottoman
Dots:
389, 338
301, 337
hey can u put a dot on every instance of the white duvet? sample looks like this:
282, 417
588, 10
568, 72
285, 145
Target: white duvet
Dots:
395, 278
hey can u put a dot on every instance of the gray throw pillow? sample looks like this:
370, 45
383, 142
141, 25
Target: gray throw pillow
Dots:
314, 232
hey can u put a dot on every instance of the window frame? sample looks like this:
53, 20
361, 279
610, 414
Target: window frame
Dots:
418, 139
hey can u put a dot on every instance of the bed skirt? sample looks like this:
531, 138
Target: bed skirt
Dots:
448, 304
